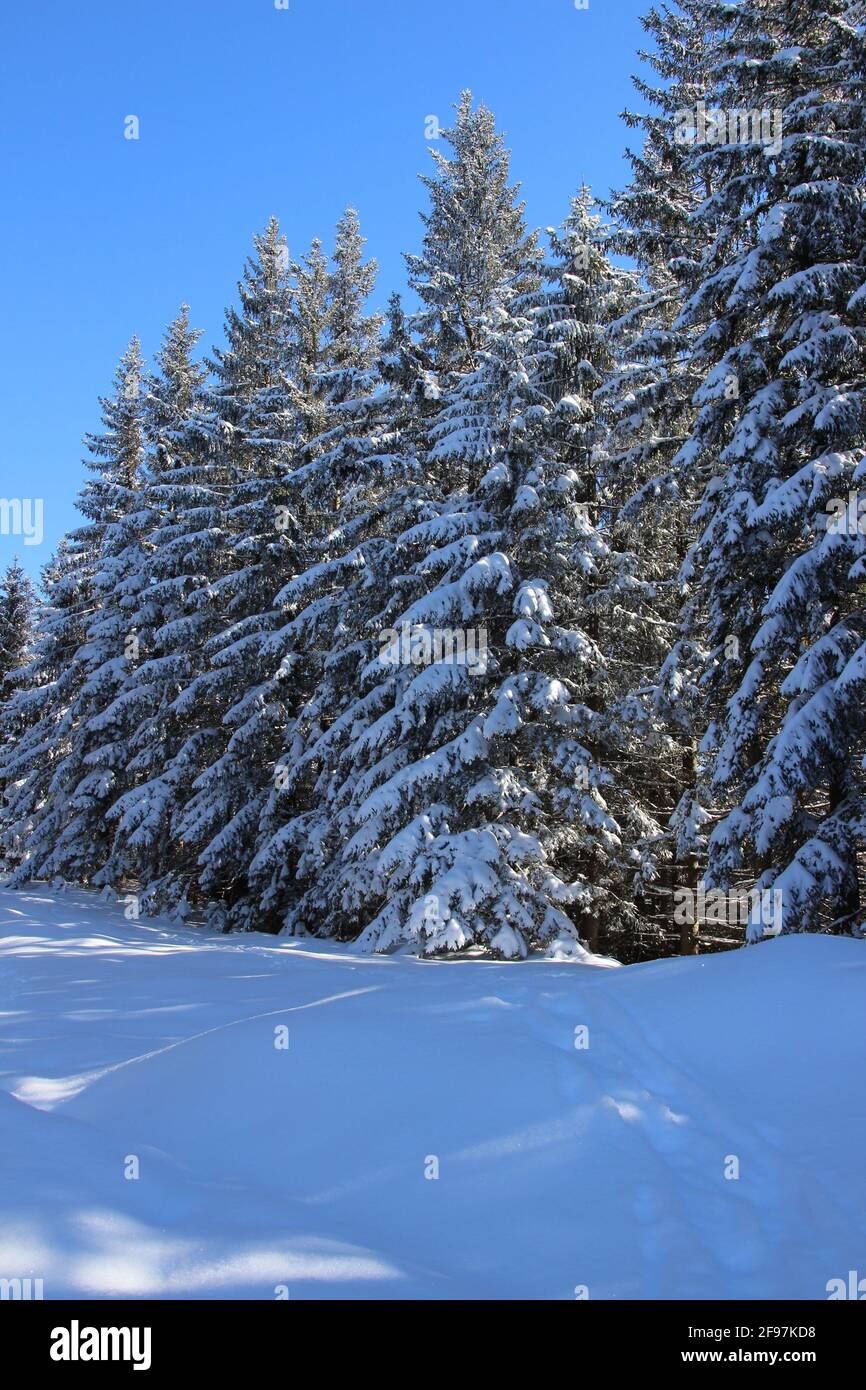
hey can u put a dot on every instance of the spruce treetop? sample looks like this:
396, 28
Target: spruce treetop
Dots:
475, 238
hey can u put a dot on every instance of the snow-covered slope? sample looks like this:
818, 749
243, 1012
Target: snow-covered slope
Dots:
559, 1165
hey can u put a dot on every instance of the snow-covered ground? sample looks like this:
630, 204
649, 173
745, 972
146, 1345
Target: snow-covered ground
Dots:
309, 1166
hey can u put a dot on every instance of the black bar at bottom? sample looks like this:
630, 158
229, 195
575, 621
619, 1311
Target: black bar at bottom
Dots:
145, 1338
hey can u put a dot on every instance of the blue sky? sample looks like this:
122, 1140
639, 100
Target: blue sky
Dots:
246, 110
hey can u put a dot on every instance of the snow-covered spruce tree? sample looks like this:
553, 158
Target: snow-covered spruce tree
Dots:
36, 721
365, 475
324, 367
94, 765
17, 621
782, 557
228, 499
180, 507
310, 295
18, 613
479, 780
608, 595
353, 335
651, 481
271, 392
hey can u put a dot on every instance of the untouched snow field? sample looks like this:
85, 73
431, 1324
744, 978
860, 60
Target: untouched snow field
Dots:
602, 1166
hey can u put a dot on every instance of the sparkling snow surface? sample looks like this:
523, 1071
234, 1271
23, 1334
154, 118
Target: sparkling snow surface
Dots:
559, 1166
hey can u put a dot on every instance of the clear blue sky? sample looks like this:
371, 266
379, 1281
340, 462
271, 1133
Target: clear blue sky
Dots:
247, 110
